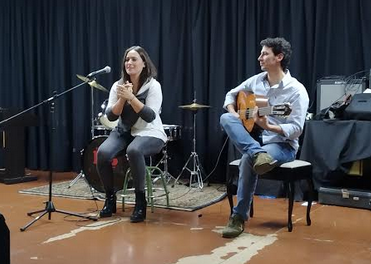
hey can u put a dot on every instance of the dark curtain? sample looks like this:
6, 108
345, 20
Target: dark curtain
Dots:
202, 48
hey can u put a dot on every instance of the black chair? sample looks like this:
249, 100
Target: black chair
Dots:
288, 173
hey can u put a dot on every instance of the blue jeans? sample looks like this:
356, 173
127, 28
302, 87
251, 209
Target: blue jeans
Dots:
248, 146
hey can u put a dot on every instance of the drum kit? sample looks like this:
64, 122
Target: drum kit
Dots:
101, 127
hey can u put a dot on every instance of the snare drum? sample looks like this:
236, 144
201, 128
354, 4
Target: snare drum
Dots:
105, 122
89, 161
173, 132
101, 130
102, 117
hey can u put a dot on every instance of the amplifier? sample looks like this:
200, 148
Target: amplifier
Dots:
331, 90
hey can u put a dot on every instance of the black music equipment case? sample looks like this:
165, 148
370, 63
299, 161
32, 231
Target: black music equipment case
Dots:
359, 107
345, 197
4, 241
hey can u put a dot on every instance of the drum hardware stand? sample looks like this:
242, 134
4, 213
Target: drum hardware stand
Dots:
164, 161
92, 83
49, 206
195, 170
78, 177
81, 174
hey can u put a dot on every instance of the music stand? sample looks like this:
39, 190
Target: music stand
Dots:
49, 206
195, 170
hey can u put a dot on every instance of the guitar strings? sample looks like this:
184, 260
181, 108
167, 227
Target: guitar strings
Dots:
262, 111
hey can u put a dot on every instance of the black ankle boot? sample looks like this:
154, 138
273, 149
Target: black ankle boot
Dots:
109, 205
140, 209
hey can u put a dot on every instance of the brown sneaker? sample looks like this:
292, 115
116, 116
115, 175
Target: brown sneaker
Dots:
235, 226
263, 162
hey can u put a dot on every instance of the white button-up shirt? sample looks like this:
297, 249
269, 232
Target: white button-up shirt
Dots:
289, 90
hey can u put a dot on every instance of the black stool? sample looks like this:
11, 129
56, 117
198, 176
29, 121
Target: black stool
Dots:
289, 173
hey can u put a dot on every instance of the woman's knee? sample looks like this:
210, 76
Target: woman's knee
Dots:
133, 152
103, 155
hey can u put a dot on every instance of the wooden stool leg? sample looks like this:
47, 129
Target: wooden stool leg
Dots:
252, 207
310, 200
230, 200
291, 193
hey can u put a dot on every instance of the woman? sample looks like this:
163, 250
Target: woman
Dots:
136, 100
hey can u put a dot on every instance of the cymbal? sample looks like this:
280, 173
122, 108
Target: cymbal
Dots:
194, 106
92, 83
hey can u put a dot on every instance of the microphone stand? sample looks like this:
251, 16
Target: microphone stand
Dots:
49, 206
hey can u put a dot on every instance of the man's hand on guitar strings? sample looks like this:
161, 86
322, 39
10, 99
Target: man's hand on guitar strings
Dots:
261, 121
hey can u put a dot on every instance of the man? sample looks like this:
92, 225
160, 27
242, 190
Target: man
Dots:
280, 135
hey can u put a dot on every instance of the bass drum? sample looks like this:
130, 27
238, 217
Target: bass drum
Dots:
89, 161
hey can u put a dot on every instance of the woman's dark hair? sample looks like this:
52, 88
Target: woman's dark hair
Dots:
148, 71
279, 45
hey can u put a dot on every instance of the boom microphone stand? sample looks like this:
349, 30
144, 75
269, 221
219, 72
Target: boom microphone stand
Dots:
49, 206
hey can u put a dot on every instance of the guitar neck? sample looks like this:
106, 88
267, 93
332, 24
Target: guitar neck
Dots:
262, 111
267, 110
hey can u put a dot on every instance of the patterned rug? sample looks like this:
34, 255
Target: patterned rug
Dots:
181, 197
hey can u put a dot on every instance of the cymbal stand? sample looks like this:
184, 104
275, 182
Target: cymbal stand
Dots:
49, 206
195, 170
81, 174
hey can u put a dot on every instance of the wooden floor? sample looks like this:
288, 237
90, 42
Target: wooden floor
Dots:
337, 234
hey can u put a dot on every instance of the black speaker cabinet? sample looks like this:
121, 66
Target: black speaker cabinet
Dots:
331, 90
359, 107
4, 241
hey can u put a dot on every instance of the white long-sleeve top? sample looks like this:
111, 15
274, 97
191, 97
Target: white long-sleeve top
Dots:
151, 95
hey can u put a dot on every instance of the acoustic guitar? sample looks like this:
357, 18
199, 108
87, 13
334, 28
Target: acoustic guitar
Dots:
246, 103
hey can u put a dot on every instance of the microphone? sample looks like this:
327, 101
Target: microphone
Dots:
106, 69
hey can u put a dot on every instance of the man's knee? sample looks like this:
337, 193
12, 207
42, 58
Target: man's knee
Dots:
224, 119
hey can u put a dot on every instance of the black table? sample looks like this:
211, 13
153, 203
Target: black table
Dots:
330, 144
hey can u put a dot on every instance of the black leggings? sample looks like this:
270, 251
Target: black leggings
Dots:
136, 148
